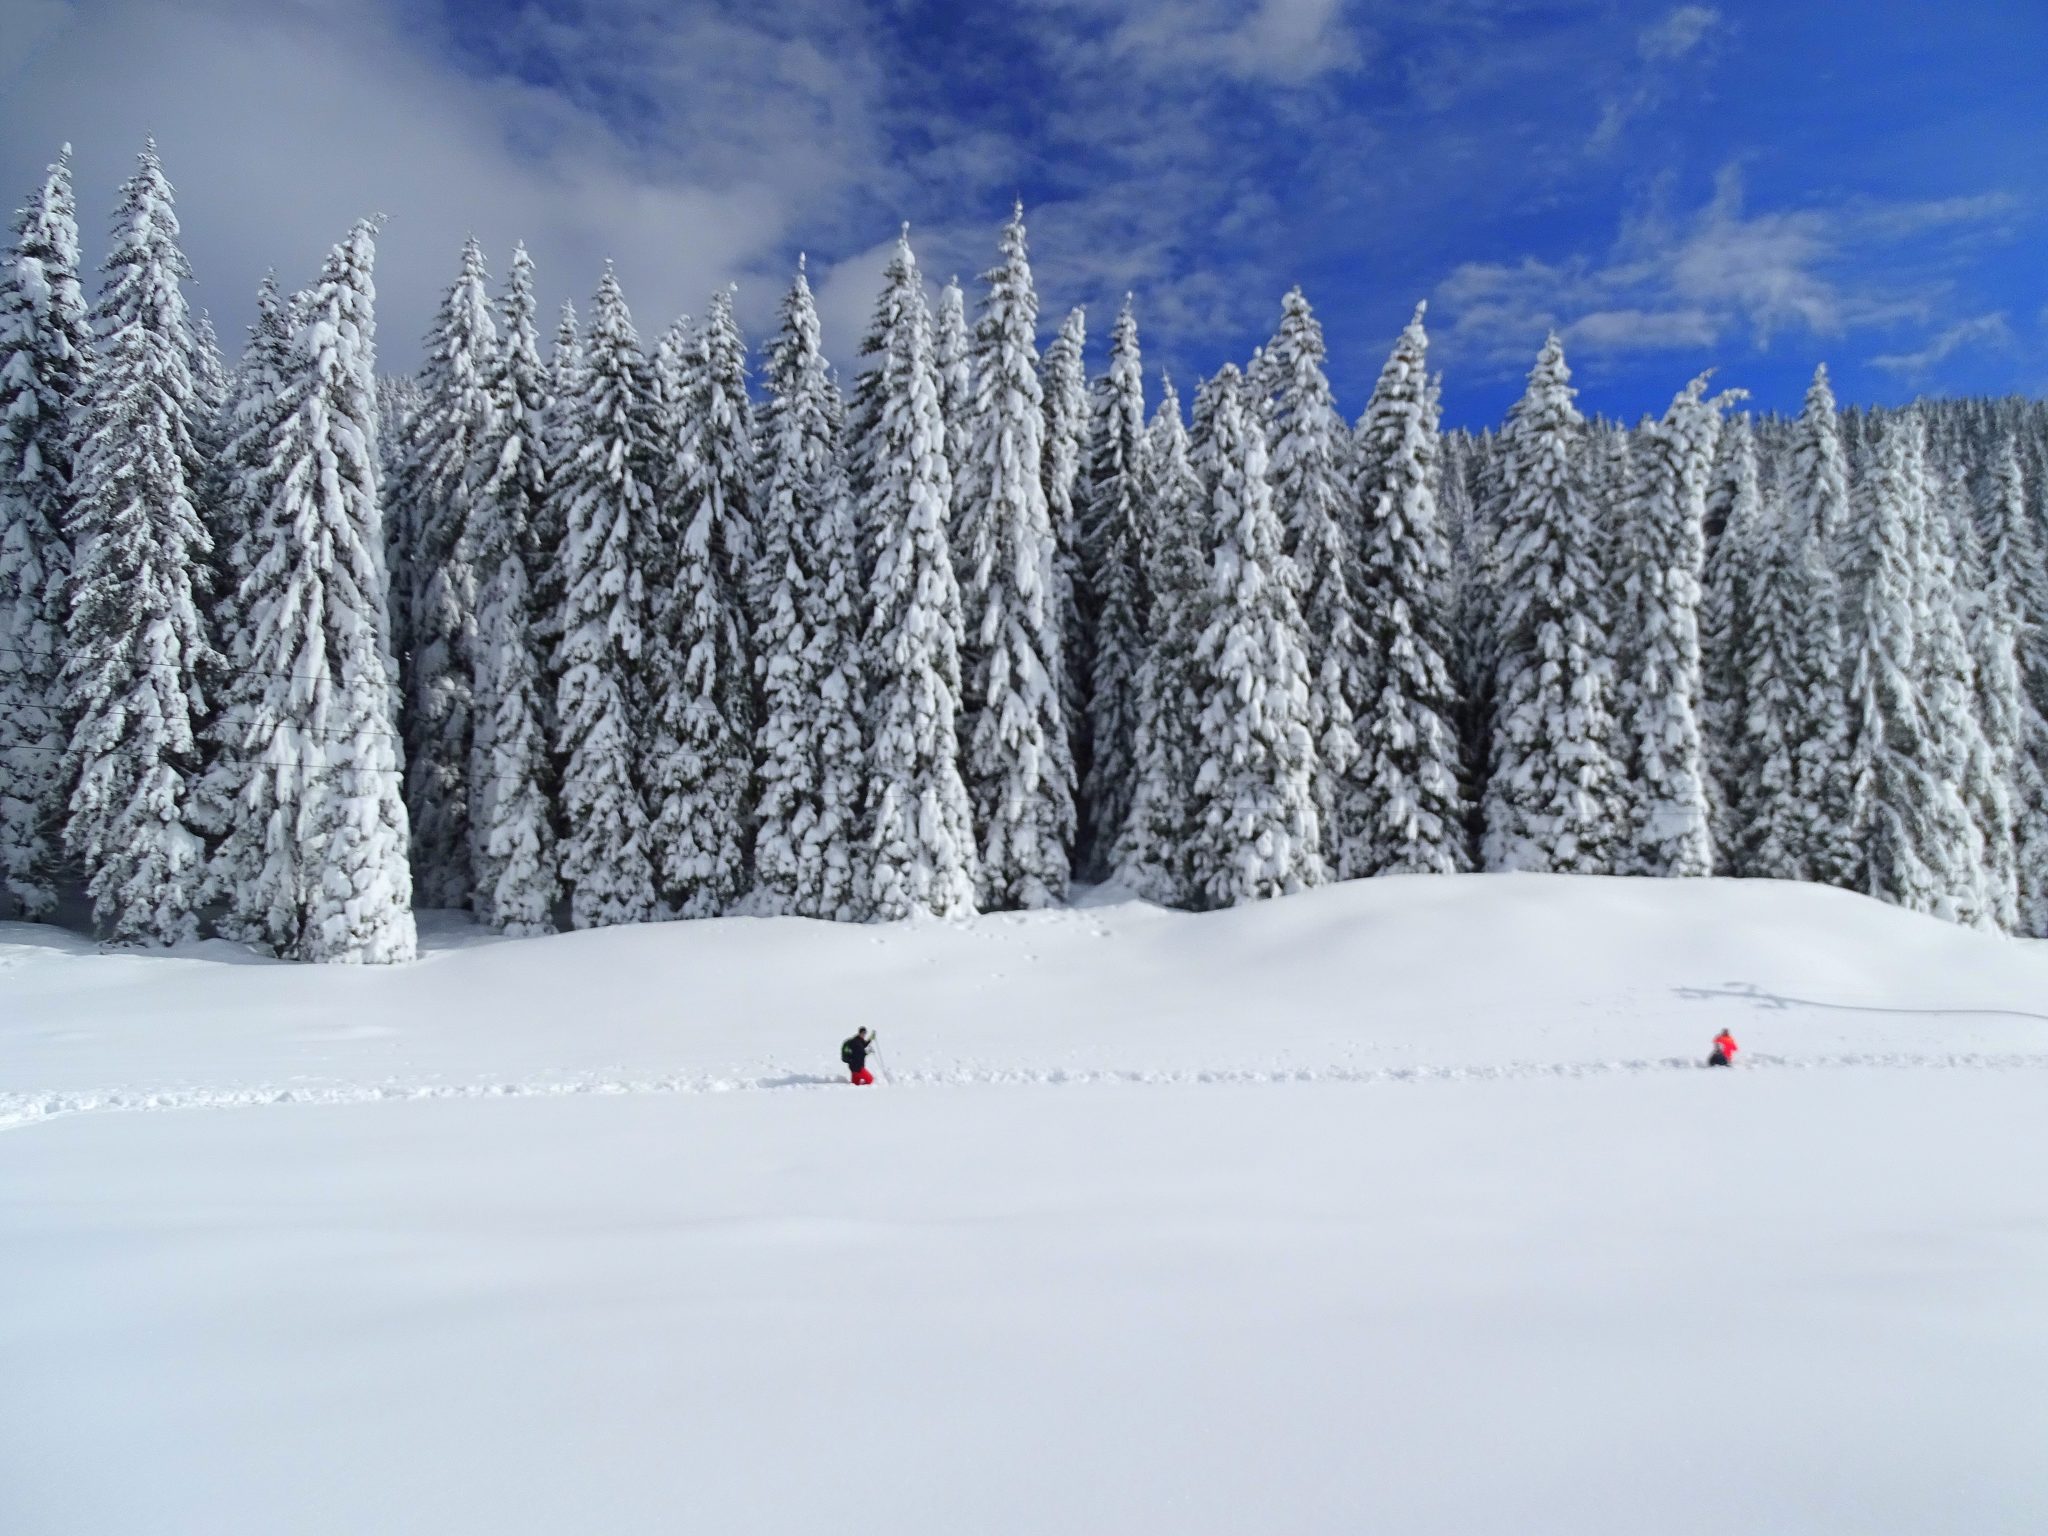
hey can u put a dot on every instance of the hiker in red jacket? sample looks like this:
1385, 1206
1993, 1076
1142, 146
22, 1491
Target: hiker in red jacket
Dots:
1724, 1050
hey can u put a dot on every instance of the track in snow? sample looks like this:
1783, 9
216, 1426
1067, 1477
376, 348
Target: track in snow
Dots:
18, 1110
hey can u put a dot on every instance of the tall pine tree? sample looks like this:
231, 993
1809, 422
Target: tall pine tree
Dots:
45, 358
1258, 833
511, 821
1157, 844
603, 488
1817, 494
1063, 381
1313, 497
919, 820
952, 358
245, 478
1112, 542
136, 647
698, 763
548, 528
1664, 552
1991, 784
454, 417
1409, 815
1785, 749
1911, 824
2018, 576
1018, 765
807, 857
1962, 753
314, 866
1550, 800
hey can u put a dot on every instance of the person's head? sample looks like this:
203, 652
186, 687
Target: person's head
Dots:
863, 1031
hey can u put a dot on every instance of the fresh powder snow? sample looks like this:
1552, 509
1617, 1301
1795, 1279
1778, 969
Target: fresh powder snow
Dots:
1404, 1204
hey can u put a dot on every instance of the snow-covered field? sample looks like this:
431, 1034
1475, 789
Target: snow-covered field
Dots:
1398, 1207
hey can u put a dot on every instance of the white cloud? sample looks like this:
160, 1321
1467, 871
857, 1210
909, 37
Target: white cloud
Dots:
1660, 47
1683, 30
1278, 42
1641, 330
1993, 329
694, 145
281, 124
1695, 281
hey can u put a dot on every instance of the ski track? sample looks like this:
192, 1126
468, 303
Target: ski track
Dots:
18, 1110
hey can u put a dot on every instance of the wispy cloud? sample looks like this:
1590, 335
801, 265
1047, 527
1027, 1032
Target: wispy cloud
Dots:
1660, 48
1693, 281
1283, 42
1683, 30
1993, 329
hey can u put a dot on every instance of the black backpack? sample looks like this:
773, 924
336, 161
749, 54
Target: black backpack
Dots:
846, 1053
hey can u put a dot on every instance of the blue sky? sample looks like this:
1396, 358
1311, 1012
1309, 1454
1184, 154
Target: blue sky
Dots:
1757, 187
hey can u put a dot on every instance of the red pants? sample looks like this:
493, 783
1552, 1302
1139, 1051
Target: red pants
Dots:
863, 1077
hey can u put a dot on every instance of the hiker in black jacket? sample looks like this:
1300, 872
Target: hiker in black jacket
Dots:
855, 1054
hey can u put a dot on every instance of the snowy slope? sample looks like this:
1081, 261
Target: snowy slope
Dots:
1397, 1207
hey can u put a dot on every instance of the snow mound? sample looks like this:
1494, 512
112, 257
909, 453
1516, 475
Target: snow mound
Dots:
1358, 982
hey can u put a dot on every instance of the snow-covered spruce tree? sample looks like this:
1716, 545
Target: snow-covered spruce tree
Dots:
1550, 801
511, 823
45, 357
544, 565
1112, 541
1817, 491
209, 382
398, 399
1156, 848
242, 475
314, 865
1963, 756
953, 361
209, 431
1829, 852
1910, 820
1736, 540
1263, 377
920, 824
1475, 497
1819, 486
1785, 749
697, 761
1257, 833
136, 651
245, 480
1406, 778
2017, 581
1990, 633
603, 484
454, 417
1314, 499
1762, 833
666, 367
1016, 761
1663, 552
1608, 473
1063, 380
808, 778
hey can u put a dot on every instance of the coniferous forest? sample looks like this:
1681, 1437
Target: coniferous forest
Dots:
579, 627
